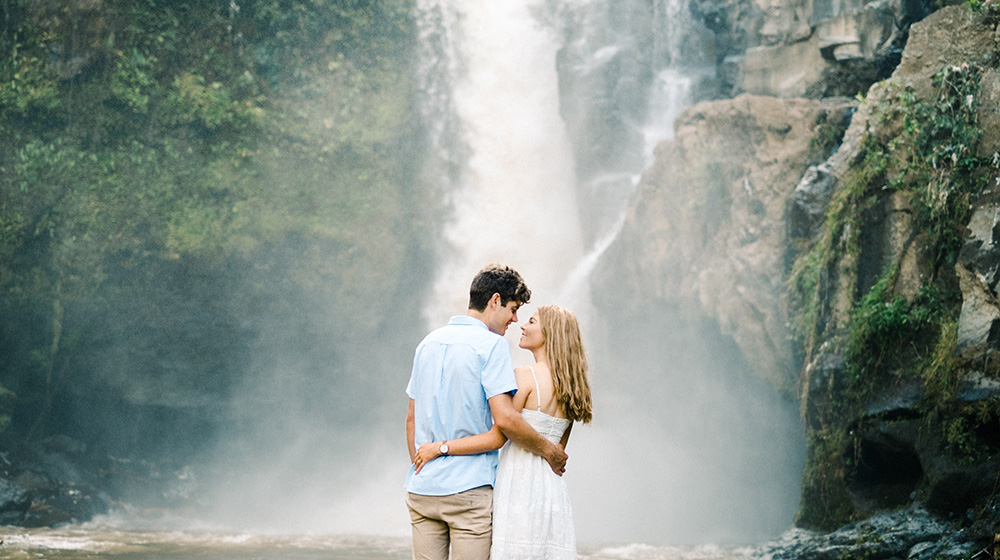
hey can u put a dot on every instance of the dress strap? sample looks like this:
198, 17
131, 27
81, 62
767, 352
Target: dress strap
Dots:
538, 399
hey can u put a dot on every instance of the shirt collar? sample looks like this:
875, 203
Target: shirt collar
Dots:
466, 320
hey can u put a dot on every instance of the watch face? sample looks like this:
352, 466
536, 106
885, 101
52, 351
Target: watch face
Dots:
444, 448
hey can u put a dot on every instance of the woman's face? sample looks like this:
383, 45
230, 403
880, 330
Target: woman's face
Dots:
531, 334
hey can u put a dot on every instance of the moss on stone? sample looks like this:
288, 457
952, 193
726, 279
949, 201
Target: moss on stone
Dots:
826, 501
925, 147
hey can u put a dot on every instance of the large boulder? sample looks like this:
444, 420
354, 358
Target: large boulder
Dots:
46, 483
707, 230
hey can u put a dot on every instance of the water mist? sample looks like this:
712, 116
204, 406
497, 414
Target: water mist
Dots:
513, 199
686, 446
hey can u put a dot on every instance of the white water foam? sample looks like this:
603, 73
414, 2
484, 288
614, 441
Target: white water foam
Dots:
515, 200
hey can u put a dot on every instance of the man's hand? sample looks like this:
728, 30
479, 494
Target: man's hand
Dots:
518, 430
557, 459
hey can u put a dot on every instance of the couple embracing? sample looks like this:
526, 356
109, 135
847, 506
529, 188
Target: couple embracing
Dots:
466, 401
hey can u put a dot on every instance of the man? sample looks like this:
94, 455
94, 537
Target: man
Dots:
462, 382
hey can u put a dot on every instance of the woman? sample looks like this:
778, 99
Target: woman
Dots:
532, 517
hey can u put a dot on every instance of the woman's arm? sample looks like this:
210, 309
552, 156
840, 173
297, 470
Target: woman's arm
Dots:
468, 445
479, 443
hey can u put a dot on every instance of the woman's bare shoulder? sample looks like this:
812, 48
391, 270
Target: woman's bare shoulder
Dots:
524, 377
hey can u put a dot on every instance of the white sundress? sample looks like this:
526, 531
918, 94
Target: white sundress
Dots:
532, 517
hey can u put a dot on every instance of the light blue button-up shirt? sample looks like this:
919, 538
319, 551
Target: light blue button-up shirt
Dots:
456, 370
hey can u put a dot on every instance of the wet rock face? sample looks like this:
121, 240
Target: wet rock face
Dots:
809, 202
58, 480
734, 199
911, 533
14, 502
823, 48
889, 467
708, 231
918, 439
979, 274
45, 484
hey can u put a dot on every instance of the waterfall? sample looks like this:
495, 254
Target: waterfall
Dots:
512, 198
540, 117
500, 150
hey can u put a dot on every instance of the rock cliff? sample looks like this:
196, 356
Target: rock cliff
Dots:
708, 226
850, 249
791, 48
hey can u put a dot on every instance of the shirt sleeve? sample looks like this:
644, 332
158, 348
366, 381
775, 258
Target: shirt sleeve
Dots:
410, 389
498, 371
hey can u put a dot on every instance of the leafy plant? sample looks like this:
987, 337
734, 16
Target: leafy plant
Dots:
939, 145
887, 331
825, 138
927, 148
815, 274
138, 133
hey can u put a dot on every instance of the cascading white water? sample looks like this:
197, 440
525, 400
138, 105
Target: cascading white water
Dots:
514, 198
685, 447
490, 90
670, 95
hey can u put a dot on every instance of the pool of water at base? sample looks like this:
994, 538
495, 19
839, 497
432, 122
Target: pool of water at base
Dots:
93, 541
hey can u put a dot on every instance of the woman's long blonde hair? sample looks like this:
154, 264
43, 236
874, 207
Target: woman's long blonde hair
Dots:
567, 361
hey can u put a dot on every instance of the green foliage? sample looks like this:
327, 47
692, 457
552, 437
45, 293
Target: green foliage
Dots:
939, 147
940, 370
30, 85
138, 131
131, 81
958, 432
826, 137
887, 331
174, 145
928, 149
933, 158
27, 83
962, 425
806, 282
191, 102
990, 9
366, 33
826, 501
832, 257
964, 429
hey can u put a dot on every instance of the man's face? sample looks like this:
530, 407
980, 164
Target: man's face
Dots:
503, 316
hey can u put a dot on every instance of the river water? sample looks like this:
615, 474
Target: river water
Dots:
109, 539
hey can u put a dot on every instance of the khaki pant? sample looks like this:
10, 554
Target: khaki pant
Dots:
463, 520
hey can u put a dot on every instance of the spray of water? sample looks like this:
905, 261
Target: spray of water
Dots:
686, 447
514, 199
